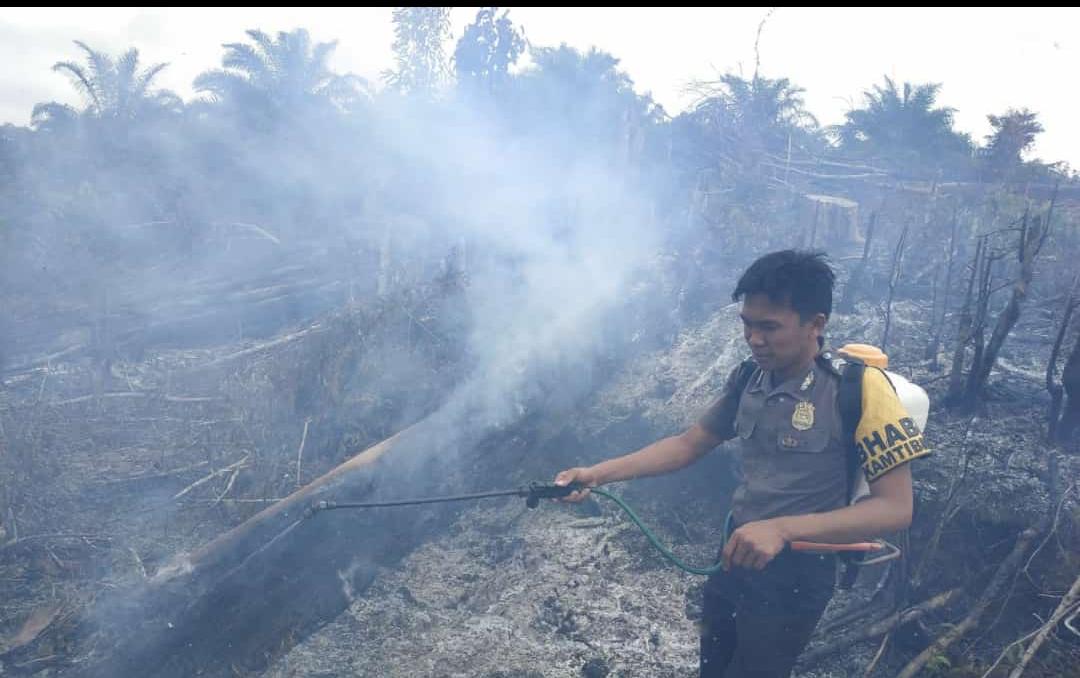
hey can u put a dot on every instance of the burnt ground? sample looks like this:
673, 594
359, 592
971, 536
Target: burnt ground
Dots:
576, 591
189, 443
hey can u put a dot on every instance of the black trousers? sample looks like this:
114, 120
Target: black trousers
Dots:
755, 624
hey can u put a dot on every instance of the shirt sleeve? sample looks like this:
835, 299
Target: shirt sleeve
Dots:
719, 418
886, 436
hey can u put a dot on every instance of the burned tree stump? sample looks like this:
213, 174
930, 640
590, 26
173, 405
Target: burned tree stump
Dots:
830, 220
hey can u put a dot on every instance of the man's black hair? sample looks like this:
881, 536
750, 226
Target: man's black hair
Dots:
801, 279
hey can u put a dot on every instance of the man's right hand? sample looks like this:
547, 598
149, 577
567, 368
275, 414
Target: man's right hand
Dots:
580, 475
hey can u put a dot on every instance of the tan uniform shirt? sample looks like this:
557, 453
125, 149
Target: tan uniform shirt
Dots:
793, 453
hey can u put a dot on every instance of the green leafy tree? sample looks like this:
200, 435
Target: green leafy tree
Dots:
486, 51
419, 36
1014, 133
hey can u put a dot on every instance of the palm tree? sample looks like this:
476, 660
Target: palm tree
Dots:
274, 76
759, 114
1013, 134
111, 89
903, 125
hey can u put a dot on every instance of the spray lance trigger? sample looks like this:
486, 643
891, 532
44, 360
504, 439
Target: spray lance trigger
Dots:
535, 491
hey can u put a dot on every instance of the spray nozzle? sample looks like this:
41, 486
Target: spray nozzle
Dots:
318, 506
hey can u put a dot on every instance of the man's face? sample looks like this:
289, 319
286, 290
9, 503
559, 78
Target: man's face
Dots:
777, 336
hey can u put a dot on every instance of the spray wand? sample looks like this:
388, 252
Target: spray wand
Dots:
535, 491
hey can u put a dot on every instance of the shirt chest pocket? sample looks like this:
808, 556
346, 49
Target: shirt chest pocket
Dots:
746, 417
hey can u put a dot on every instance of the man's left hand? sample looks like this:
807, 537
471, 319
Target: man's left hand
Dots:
753, 545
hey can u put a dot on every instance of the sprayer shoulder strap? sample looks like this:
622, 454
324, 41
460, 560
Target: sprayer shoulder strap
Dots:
849, 402
747, 369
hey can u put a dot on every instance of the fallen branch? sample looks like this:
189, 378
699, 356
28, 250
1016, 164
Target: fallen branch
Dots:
1068, 623
235, 466
819, 175
990, 594
43, 361
38, 537
258, 230
138, 561
878, 655
1050, 533
300, 451
38, 662
154, 476
228, 486
1068, 605
87, 398
1023, 639
280, 341
884, 626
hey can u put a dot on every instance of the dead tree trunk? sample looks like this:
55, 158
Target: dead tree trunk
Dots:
978, 334
965, 328
847, 302
894, 278
1057, 392
1032, 239
235, 604
934, 346
933, 297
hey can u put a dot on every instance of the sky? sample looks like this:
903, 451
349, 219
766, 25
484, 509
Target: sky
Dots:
987, 60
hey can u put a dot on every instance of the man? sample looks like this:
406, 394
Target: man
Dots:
760, 611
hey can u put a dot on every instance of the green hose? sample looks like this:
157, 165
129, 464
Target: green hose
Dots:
665, 551
533, 493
